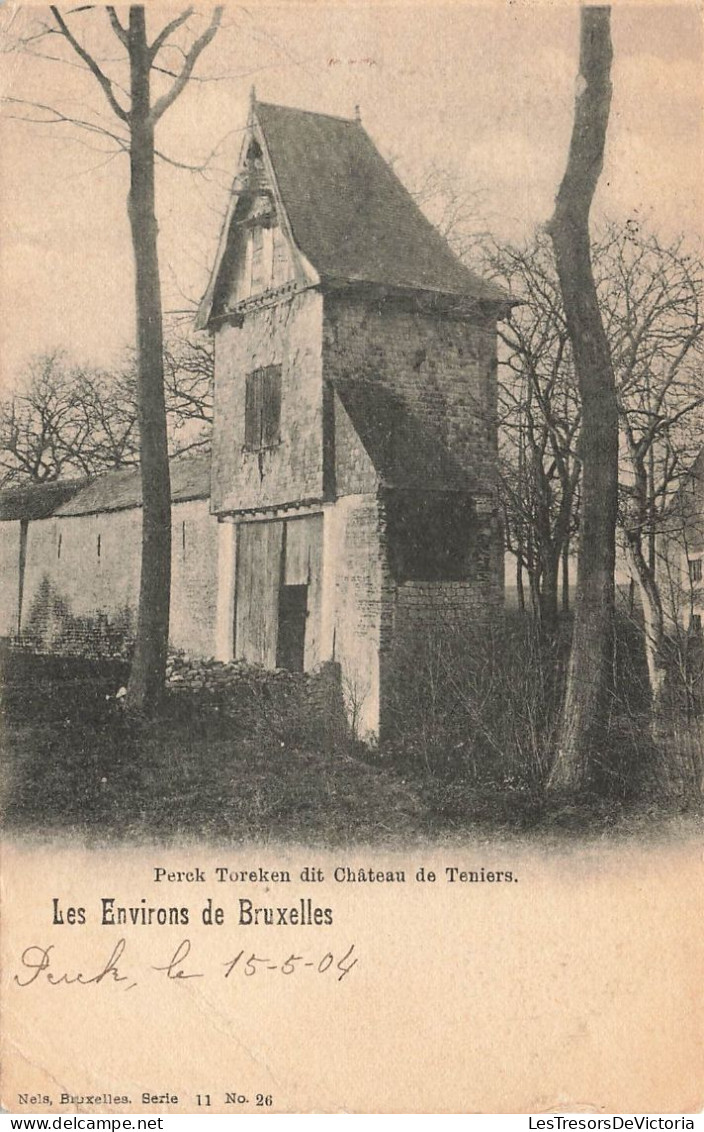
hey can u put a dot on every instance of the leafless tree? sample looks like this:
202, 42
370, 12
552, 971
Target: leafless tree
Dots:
648, 294
651, 303
590, 667
66, 419
161, 63
188, 375
539, 414
455, 207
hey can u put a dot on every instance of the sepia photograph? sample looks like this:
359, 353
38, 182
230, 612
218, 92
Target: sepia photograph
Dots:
351, 542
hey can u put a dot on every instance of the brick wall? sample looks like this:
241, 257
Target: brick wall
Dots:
443, 370
354, 602
194, 571
289, 335
9, 577
416, 611
82, 580
423, 605
355, 473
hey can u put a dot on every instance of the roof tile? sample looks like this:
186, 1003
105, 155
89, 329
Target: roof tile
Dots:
115, 491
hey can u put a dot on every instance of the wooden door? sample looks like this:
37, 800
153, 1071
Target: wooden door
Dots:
259, 548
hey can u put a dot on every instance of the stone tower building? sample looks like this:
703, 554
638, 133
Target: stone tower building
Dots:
354, 452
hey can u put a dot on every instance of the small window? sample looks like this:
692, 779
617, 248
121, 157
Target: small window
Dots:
258, 274
281, 269
695, 569
695, 623
262, 410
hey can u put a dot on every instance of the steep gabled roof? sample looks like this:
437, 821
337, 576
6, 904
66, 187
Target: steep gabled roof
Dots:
349, 214
36, 500
121, 489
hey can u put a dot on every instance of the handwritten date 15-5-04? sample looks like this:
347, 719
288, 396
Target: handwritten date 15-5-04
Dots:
41, 964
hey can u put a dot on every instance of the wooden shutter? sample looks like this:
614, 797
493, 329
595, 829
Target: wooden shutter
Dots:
262, 408
271, 405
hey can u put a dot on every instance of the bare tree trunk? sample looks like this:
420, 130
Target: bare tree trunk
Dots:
651, 511
566, 578
149, 664
519, 586
653, 627
549, 591
148, 672
590, 668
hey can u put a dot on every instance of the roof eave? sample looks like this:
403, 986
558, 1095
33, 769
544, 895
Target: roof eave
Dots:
113, 508
462, 301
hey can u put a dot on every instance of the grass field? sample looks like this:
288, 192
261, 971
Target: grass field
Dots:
73, 763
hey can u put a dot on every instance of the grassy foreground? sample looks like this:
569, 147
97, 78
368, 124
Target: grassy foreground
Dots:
73, 764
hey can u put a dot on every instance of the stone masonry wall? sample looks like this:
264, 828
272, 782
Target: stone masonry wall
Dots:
442, 367
445, 371
82, 581
9, 577
355, 473
354, 601
289, 335
194, 572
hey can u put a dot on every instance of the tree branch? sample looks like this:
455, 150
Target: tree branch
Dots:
120, 31
58, 118
162, 104
167, 31
90, 62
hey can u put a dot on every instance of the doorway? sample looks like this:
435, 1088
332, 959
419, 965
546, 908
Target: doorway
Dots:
293, 613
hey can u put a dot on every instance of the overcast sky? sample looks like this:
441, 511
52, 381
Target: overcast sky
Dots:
484, 89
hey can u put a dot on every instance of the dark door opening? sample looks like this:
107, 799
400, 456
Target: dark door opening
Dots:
293, 611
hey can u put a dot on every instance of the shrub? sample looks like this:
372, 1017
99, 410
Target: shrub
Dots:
483, 708
482, 704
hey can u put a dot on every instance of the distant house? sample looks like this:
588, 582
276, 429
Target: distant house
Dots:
75, 585
681, 552
354, 453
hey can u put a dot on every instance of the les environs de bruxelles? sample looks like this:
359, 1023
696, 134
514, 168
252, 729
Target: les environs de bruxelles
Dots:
303, 913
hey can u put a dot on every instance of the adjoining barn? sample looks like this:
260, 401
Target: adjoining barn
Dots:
79, 576
355, 443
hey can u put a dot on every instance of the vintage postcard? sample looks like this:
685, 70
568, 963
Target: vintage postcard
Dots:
351, 536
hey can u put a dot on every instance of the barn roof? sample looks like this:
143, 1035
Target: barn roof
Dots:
121, 489
36, 500
349, 214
